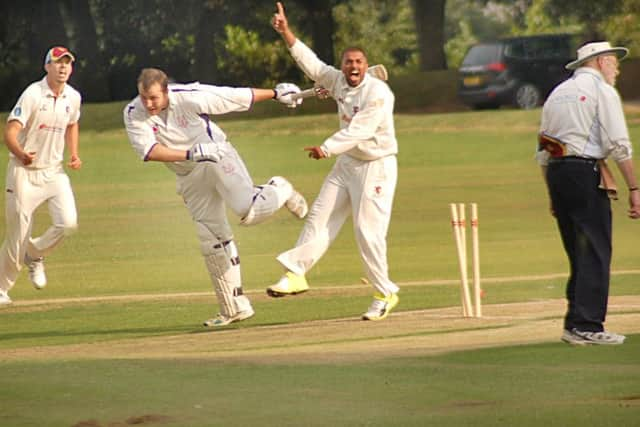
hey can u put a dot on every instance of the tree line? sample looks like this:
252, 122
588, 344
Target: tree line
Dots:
231, 41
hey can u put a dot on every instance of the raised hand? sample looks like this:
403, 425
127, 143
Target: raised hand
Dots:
279, 20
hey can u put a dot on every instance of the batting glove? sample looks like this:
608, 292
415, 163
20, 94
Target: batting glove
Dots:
205, 153
284, 94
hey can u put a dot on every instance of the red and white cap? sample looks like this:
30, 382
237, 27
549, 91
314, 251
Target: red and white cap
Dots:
56, 53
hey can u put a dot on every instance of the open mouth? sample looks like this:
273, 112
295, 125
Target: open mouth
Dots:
354, 76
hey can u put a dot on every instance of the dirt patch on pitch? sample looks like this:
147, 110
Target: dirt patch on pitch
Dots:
408, 333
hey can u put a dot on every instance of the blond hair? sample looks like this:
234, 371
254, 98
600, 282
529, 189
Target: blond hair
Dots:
150, 76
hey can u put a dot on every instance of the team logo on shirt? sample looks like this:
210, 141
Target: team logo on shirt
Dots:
377, 191
67, 109
154, 128
356, 109
54, 129
17, 111
182, 121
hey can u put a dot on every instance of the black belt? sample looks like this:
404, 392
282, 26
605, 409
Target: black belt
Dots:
573, 159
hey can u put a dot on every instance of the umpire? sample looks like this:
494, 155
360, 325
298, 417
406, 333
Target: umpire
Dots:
582, 124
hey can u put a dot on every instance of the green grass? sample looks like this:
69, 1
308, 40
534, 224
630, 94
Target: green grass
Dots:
136, 237
526, 386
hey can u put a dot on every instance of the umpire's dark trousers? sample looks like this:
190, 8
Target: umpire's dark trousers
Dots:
583, 213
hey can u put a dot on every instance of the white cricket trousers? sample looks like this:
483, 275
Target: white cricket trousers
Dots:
365, 189
26, 189
212, 187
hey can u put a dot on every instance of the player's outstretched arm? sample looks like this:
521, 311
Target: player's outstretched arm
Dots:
283, 93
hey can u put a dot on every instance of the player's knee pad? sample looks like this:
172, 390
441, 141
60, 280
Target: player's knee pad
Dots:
267, 199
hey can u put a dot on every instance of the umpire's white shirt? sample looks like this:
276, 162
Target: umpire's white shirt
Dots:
365, 111
186, 121
45, 117
585, 113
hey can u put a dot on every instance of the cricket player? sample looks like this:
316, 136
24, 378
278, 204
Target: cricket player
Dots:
171, 123
582, 124
363, 179
43, 121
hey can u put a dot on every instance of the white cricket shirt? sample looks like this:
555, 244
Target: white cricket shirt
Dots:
45, 118
187, 119
585, 112
365, 112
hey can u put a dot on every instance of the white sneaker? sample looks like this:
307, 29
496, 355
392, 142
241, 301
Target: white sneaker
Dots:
4, 298
36, 271
576, 337
297, 205
381, 307
222, 320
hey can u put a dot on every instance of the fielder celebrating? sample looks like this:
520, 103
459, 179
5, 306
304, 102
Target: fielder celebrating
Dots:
44, 119
362, 181
170, 123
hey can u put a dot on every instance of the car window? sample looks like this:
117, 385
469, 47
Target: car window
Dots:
540, 48
515, 49
549, 48
482, 54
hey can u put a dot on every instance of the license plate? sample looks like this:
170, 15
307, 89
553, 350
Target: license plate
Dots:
472, 81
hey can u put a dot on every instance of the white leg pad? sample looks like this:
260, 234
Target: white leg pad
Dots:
223, 264
267, 199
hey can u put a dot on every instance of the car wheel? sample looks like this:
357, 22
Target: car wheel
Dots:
527, 96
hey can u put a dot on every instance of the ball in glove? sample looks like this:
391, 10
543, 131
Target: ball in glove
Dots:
285, 92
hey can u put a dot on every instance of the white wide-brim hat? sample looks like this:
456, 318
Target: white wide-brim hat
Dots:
591, 50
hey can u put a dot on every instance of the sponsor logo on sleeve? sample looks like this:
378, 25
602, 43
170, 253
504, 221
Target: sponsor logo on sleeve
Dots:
17, 111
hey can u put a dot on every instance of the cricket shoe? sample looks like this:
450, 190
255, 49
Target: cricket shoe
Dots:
381, 306
576, 337
4, 298
36, 271
289, 284
222, 320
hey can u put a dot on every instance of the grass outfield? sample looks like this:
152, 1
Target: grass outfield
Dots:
115, 338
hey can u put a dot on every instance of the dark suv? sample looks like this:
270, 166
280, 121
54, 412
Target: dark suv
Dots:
519, 71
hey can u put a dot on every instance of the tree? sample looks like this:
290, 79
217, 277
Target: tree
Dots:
429, 21
89, 69
590, 14
322, 27
208, 28
44, 14
386, 31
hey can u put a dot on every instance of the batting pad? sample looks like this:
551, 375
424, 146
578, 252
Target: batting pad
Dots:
223, 264
267, 199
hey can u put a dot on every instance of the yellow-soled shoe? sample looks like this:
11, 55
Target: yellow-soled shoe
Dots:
381, 306
289, 284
